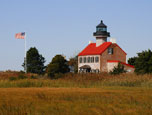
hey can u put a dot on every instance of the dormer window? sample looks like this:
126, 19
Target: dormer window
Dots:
110, 50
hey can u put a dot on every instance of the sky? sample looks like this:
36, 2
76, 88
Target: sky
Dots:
66, 27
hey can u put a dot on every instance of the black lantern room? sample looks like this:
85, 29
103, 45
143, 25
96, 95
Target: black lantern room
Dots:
101, 30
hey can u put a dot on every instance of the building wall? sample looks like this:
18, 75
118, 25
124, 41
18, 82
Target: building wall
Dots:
94, 65
129, 69
102, 66
118, 54
111, 65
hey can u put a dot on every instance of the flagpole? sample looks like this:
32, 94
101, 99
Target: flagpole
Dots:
25, 69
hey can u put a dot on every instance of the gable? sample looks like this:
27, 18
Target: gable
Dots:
115, 47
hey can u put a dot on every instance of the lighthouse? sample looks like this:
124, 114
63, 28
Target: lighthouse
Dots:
102, 56
101, 34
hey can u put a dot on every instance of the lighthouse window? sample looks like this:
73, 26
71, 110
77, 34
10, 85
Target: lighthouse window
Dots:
84, 59
104, 29
96, 59
101, 29
110, 50
80, 59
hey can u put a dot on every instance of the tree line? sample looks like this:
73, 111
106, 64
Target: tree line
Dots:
59, 65
35, 64
142, 62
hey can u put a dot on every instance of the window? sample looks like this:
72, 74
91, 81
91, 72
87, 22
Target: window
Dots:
80, 60
84, 59
110, 50
92, 59
101, 29
104, 29
96, 59
88, 59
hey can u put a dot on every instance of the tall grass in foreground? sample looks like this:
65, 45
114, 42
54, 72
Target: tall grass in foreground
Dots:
76, 94
75, 101
83, 81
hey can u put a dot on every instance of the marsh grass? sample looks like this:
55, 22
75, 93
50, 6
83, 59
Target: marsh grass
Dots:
76, 94
80, 80
75, 101
11, 108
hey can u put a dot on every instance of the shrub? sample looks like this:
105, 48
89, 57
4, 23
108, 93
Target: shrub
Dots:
119, 69
143, 63
33, 77
22, 72
58, 65
21, 76
73, 64
58, 75
12, 78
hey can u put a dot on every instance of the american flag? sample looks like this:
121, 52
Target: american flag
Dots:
20, 35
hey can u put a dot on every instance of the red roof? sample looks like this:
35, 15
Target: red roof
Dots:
91, 49
111, 61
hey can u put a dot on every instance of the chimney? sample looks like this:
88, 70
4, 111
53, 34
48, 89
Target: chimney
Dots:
90, 42
100, 40
113, 40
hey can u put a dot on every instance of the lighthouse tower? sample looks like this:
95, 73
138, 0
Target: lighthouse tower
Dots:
101, 34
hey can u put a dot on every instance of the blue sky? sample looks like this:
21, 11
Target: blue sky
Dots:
66, 26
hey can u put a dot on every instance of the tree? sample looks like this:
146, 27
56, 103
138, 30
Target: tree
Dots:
143, 63
35, 61
58, 65
73, 63
119, 69
132, 60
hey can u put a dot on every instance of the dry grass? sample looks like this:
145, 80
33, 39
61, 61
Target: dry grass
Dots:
76, 94
75, 101
8, 74
82, 81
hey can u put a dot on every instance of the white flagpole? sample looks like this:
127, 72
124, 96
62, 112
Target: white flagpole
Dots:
25, 69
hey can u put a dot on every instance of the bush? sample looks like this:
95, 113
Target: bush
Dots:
119, 69
12, 78
22, 72
143, 63
58, 65
33, 77
58, 75
22, 77
73, 64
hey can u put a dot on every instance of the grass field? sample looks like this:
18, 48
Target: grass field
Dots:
75, 101
89, 94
